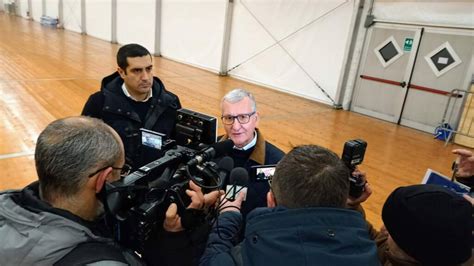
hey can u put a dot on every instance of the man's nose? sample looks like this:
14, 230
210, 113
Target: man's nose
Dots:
236, 124
145, 76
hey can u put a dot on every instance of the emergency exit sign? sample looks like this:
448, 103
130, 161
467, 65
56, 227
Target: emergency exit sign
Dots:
408, 44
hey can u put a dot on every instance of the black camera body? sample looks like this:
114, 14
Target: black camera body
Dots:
195, 126
136, 204
353, 155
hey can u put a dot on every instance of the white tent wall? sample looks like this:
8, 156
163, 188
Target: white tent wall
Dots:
37, 9
52, 8
136, 22
192, 32
2, 5
297, 46
72, 15
22, 8
99, 19
422, 12
293, 46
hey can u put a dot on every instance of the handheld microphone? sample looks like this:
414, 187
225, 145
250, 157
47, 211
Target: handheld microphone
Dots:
239, 178
215, 150
225, 165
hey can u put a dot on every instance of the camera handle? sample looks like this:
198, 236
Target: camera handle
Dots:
356, 185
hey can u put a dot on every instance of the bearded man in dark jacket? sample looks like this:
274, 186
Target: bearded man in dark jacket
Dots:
132, 98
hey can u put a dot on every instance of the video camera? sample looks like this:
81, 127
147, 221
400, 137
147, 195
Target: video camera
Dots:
353, 155
136, 205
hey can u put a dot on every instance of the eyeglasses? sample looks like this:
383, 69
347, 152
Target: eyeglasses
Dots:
124, 170
242, 118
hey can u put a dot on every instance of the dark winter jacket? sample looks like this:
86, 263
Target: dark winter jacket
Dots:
264, 153
112, 106
280, 236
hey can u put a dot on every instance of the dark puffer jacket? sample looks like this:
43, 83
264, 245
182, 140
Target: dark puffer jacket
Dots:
280, 236
112, 106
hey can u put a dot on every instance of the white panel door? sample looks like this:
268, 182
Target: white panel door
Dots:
382, 81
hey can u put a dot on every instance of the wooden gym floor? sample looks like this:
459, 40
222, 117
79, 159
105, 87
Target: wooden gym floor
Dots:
47, 74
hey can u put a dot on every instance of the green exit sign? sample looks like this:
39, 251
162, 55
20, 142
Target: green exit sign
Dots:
408, 44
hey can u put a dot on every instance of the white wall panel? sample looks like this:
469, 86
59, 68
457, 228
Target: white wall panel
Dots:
99, 19
72, 15
315, 37
192, 31
136, 22
446, 12
52, 8
37, 9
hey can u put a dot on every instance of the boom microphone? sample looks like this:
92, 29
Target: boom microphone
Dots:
215, 150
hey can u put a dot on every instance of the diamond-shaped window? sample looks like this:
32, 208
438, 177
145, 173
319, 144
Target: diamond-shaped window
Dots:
442, 59
388, 51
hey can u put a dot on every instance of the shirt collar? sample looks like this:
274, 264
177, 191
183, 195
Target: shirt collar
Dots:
250, 144
125, 91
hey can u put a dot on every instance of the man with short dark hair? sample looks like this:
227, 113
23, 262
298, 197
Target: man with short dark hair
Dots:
307, 222
132, 98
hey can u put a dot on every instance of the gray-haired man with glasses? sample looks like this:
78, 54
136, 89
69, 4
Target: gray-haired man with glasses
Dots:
240, 118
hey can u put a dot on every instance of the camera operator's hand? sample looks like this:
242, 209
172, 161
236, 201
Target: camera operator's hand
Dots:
233, 206
197, 198
210, 199
200, 200
172, 221
470, 199
465, 163
353, 203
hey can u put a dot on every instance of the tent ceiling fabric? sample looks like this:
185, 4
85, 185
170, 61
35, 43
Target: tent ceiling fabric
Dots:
442, 12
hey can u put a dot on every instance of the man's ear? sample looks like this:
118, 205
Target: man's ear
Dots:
271, 202
121, 72
102, 178
257, 119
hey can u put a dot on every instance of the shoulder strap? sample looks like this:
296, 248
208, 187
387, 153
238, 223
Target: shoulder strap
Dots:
95, 252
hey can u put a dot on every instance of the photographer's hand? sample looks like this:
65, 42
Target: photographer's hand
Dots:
353, 203
465, 162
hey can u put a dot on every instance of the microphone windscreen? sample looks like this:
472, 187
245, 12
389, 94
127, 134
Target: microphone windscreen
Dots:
226, 163
223, 147
239, 177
